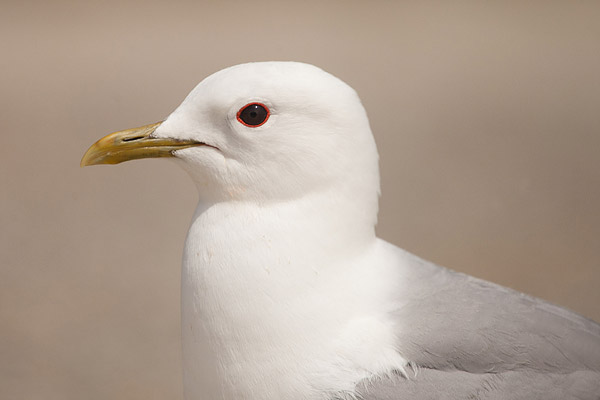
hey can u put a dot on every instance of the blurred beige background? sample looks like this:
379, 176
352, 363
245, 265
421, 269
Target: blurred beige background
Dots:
487, 117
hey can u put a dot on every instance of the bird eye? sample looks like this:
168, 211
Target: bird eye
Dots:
253, 114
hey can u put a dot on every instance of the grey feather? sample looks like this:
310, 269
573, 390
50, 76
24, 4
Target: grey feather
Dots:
473, 339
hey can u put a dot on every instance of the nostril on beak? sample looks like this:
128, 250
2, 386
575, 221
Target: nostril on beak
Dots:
131, 139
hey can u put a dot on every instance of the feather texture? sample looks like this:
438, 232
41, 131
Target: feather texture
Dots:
474, 339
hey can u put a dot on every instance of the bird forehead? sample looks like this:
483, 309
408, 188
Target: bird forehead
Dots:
293, 92
275, 81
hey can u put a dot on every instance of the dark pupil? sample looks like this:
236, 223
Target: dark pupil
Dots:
254, 114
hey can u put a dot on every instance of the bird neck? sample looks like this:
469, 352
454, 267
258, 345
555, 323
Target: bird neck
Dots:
293, 238
257, 286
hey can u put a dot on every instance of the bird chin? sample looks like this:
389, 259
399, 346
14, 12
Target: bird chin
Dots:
207, 167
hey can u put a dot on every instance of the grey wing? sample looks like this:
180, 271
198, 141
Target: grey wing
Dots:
469, 338
432, 384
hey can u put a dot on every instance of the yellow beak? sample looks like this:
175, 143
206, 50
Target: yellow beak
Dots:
132, 144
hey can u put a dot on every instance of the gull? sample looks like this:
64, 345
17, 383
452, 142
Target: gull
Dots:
287, 293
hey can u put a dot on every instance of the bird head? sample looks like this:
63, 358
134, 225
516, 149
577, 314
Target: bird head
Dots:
268, 131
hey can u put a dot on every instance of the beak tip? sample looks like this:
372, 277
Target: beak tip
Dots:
86, 159
122, 146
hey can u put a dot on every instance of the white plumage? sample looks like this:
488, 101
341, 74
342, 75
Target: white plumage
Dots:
286, 291
285, 286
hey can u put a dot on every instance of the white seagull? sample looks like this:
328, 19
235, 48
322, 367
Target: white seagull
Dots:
287, 293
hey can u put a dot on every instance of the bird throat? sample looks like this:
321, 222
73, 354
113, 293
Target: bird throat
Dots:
259, 287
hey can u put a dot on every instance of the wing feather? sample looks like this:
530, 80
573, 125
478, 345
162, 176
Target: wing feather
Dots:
475, 339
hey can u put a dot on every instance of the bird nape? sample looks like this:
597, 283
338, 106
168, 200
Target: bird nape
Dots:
287, 293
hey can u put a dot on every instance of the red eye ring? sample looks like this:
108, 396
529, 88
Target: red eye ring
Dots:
253, 115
